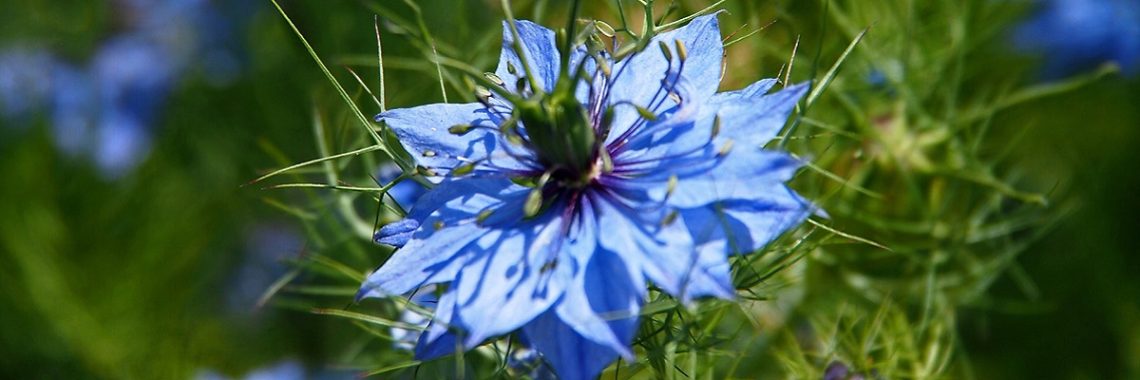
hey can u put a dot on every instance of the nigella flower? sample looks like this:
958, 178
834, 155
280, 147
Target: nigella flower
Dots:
577, 181
1077, 35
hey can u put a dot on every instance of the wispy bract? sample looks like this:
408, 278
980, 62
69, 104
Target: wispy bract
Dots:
562, 195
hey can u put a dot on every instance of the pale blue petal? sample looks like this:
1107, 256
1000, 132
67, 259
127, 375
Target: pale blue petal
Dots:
638, 79
747, 225
440, 337
447, 231
541, 53
517, 274
708, 177
662, 253
603, 303
423, 131
572, 356
748, 117
711, 276
430, 257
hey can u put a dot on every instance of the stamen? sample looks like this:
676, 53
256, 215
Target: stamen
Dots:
715, 127
724, 149
682, 52
665, 51
460, 129
533, 202
669, 218
494, 79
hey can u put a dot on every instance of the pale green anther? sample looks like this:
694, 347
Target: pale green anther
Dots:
460, 129
463, 169
438, 225
715, 127
672, 185
607, 122
603, 66
520, 85
533, 202
511, 69
548, 266
665, 50
483, 215
607, 161
646, 113
724, 149
682, 52
428, 153
424, 171
482, 93
605, 28
494, 79
669, 218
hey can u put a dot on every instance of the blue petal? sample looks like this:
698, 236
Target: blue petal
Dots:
737, 227
603, 303
638, 79
747, 225
750, 117
397, 233
446, 232
708, 177
423, 131
572, 356
430, 257
541, 53
440, 338
517, 274
661, 253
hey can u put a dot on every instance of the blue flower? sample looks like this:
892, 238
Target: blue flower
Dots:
25, 82
1077, 35
559, 199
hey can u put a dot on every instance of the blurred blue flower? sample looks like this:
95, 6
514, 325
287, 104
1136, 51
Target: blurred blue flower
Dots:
1076, 35
110, 109
267, 246
283, 370
554, 225
25, 82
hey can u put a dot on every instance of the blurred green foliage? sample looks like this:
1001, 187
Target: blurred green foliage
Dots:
1006, 204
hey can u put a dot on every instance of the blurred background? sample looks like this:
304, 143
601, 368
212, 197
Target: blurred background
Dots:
132, 244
